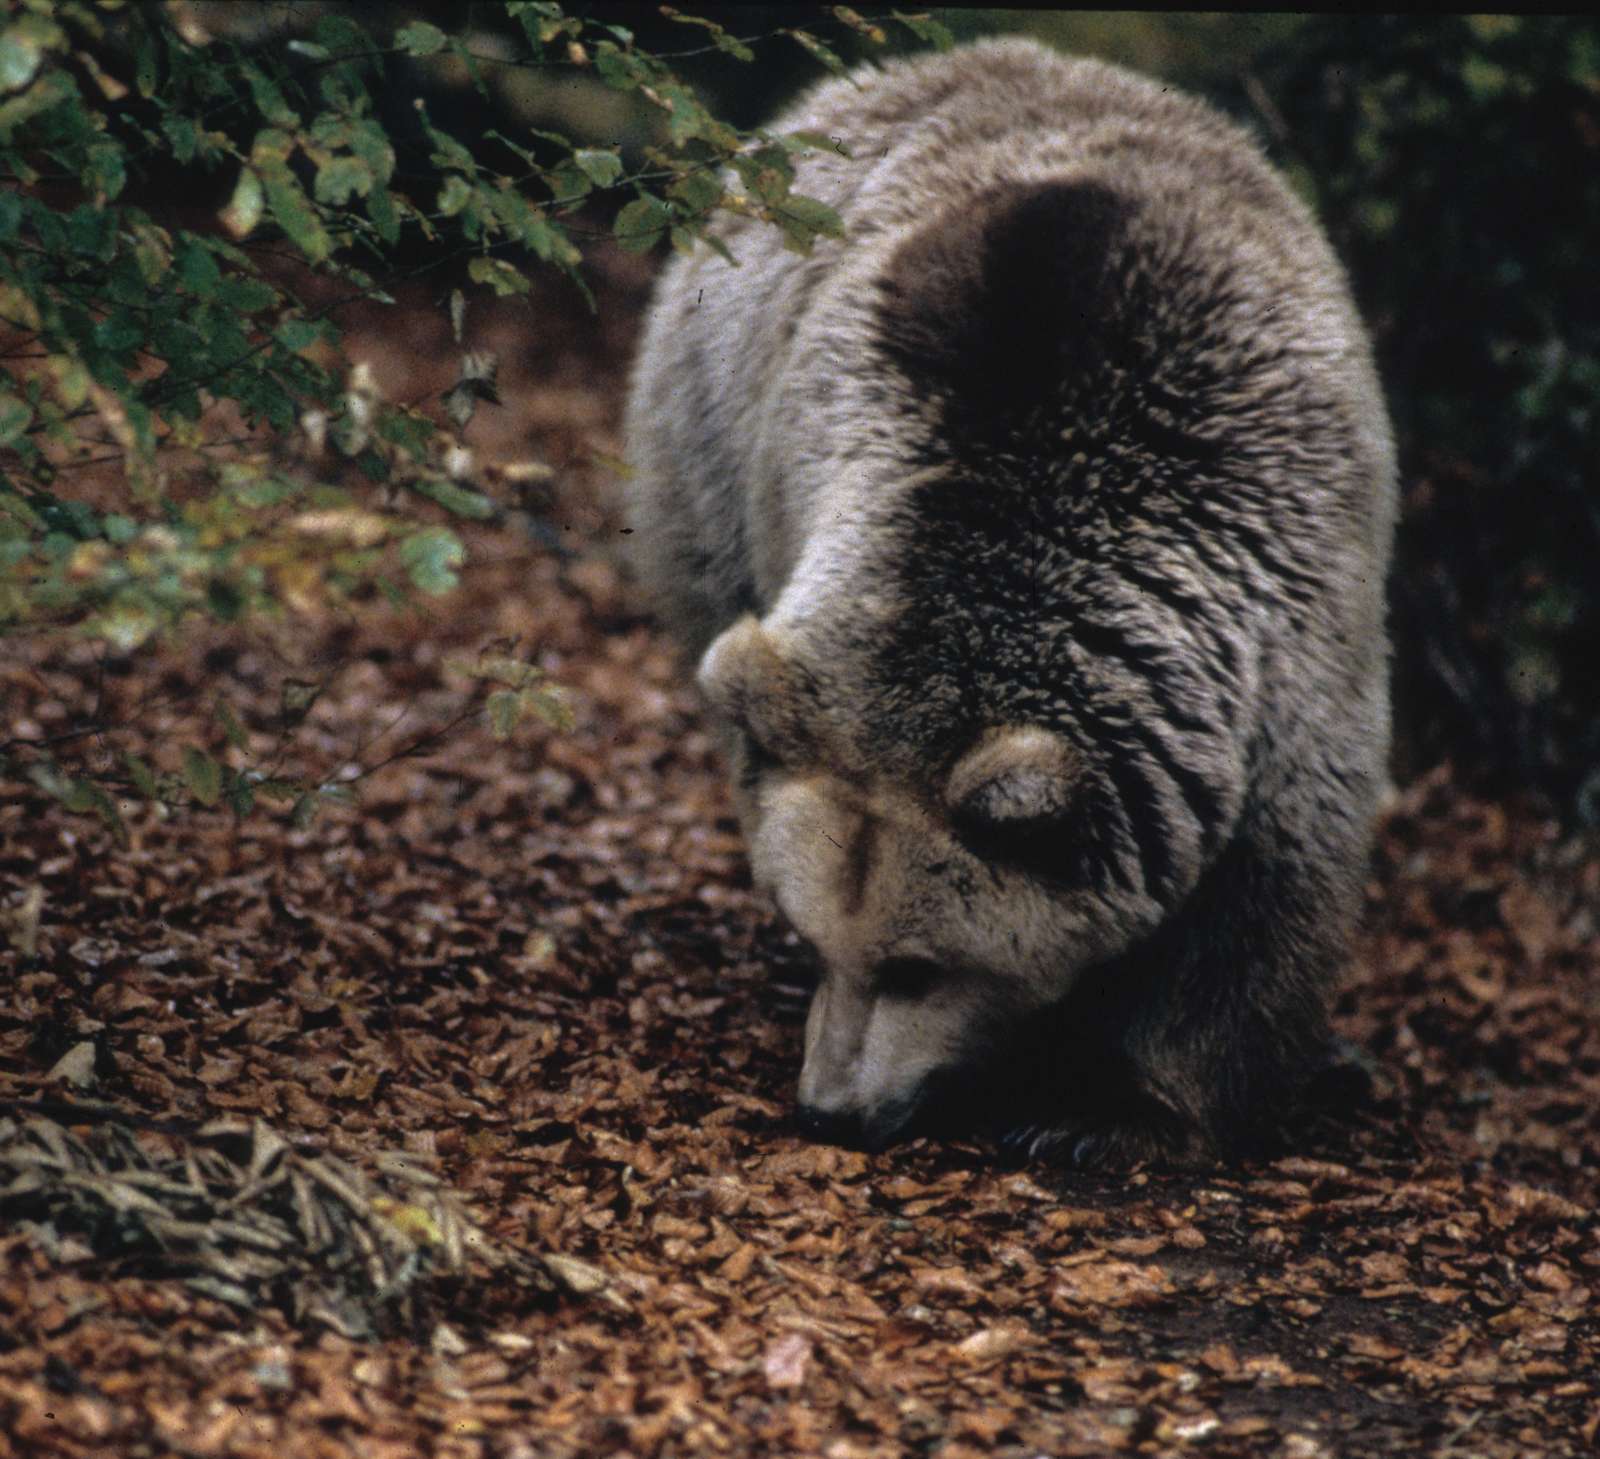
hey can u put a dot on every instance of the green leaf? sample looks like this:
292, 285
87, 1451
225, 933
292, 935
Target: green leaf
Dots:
15, 417
549, 703
245, 206
152, 251
730, 44
50, 90
197, 268
342, 36
299, 334
92, 232
18, 509
75, 520
202, 775
182, 134
767, 172
385, 216
448, 152
639, 226
341, 178
818, 141
87, 796
499, 275
568, 183
240, 793
454, 195
927, 29
275, 789
231, 728
733, 46
143, 777
146, 67
81, 796
802, 219
533, 229
845, 15
128, 623
618, 68
505, 710
411, 433
551, 243
600, 166
246, 296
716, 244
371, 144
268, 98
104, 171
293, 212
699, 192
296, 698
455, 499
687, 117
22, 50
501, 668
421, 39
820, 52
431, 558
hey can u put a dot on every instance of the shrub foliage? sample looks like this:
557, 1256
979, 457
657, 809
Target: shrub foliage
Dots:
1458, 160
178, 438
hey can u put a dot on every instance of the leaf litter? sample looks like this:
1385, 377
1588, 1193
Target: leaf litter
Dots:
533, 971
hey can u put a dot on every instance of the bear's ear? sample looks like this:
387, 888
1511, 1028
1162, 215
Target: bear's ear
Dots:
748, 678
1015, 779
991, 302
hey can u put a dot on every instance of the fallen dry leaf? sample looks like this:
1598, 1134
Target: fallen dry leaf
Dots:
786, 1360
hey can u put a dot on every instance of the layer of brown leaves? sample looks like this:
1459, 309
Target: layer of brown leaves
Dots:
537, 966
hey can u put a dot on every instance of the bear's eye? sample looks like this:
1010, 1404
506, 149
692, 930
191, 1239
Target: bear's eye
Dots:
1040, 847
1006, 841
907, 978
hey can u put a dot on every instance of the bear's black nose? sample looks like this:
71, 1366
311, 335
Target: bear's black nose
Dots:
828, 1127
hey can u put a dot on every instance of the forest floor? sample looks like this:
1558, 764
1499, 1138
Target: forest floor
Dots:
535, 968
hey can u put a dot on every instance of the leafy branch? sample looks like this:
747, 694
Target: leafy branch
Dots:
257, 473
